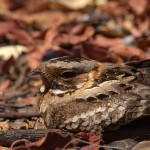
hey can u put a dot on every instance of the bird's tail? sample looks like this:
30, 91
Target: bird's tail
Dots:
144, 67
144, 89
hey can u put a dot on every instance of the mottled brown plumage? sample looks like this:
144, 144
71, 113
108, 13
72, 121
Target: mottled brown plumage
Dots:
81, 94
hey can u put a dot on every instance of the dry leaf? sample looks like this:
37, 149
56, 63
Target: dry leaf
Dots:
4, 148
4, 126
4, 85
138, 6
128, 52
7, 51
144, 145
73, 4
53, 140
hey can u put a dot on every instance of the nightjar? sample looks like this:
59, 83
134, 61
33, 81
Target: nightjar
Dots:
80, 94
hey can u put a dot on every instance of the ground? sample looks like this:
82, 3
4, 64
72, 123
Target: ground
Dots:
33, 31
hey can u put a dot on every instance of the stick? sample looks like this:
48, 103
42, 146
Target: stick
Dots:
7, 137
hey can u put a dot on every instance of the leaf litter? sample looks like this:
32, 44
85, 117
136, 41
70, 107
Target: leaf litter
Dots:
108, 31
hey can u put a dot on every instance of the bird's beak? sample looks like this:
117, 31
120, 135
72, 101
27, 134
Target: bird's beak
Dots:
36, 71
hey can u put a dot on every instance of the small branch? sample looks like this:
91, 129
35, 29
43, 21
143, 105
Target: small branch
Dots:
15, 94
7, 137
16, 115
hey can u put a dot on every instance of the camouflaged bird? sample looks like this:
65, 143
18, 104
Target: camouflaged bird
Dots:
80, 94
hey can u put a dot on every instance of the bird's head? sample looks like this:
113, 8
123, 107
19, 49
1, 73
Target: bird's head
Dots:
79, 94
68, 74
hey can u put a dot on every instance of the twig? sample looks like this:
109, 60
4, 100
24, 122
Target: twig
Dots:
16, 115
15, 95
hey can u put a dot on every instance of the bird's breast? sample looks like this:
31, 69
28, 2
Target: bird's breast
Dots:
81, 111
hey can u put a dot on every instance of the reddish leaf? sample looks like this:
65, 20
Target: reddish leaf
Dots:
4, 85
128, 52
76, 35
144, 43
142, 25
138, 6
19, 35
4, 148
75, 39
115, 8
6, 65
105, 42
6, 26
91, 138
28, 100
100, 53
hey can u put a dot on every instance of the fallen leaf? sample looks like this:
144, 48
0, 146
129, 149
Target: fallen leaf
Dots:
138, 6
6, 26
4, 85
144, 145
4, 126
141, 26
105, 42
99, 53
27, 101
14, 50
115, 8
4, 148
75, 39
77, 4
90, 137
19, 35
18, 124
94, 140
127, 52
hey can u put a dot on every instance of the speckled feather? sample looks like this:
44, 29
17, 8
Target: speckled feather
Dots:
85, 95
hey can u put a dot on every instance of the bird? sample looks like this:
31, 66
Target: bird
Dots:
85, 95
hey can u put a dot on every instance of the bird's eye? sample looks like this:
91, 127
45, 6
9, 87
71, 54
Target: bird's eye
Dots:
68, 75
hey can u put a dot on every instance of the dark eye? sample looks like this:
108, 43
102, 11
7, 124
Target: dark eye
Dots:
68, 75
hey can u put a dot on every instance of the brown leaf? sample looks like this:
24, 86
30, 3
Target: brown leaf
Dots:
49, 41
144, 43
141, 26
4, 85
78, 29
105, 42
138, 6
144, 145
27, 100
99, 53
91, 147
4, 148
91, 138
4, 126
74, 35
19, 35
93, 51
6, 65
6, 26
128, 52
76, 39
115, 8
